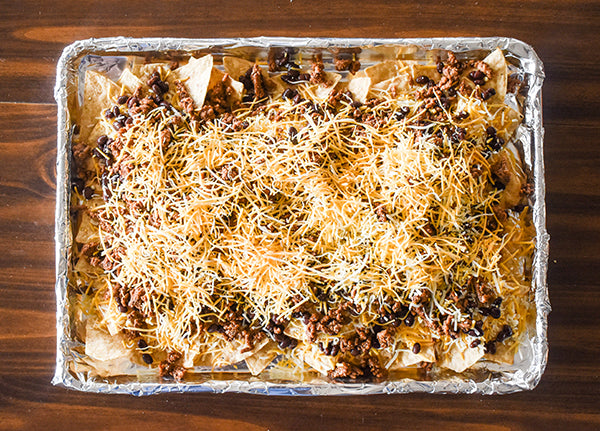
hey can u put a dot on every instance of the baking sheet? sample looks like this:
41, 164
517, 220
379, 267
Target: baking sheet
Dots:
109, 56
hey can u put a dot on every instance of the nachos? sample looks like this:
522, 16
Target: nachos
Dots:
350, 223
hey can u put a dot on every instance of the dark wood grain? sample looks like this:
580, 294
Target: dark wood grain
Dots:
33, 35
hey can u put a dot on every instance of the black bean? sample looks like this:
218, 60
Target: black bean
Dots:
402, 112
423, 79
108, 114
117, 125
116, 111
164, 86
288, 79
304, 77
122, 99
495, 312
294, 73
479, 324
129, 121
409, 320
156, 88
335, 349
451, 92
102, 140
282, 59
486, 94
214, 328
490, 347
246, 81
297, 99
292, 65
122, 308
153, 79
356, 104
147, 358
77, 184
416, 348
459, 134
284, 342
505, 333
383, 319
440, 67
133, 101
479, 82
491, 131
476, 75
498, 301
289, 93
475, 343
462, 115
355, 352
142, 344
248, 98
292, 132
88, 192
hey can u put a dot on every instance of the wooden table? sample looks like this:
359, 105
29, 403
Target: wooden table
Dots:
566, 35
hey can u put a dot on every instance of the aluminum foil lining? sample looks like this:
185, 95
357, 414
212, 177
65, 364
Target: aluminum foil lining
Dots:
109, 56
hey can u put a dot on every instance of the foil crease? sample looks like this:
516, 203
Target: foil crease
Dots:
530, 361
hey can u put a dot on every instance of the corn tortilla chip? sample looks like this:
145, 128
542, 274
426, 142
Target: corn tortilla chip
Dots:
498, 81
261, 359
196, 76
98, 95
103, 346
461, 356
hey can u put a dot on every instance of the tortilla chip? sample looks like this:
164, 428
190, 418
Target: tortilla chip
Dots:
511, 195
408, 358
129, 81
507, 122
316, 359
384, 71
144, 70
237, 67
238, 89
323, 91
461, 356
87, 232
193, 358
103, 346
83, 267
114, 367
98, 95
261, 359
504, 355
499, 79
296, 329
217, 76
359, 87
429, 71
398, 84
406, 50
233, 353
101, 128
196, 75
